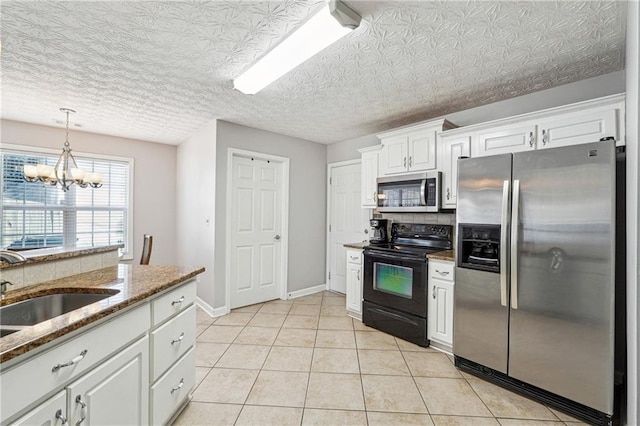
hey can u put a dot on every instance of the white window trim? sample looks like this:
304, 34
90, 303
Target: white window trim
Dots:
27, 149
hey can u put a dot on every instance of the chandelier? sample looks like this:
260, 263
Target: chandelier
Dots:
66, 172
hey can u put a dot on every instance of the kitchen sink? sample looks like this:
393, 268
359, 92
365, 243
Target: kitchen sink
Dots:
33, 311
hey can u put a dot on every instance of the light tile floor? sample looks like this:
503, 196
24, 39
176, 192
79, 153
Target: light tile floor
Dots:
305, 362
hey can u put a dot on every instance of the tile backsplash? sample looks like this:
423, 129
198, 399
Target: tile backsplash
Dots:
429, 218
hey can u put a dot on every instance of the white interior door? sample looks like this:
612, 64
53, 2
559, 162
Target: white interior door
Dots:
348, 221
256, 227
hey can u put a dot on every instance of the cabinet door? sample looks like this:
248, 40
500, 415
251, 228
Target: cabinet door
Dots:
454, 148
393, 158
354, 281
504, 140
422, 151
578, 127
369, 175
51, 412
115, 393
441, 311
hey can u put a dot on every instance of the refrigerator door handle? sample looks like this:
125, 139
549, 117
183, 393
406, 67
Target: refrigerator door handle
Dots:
504, 238
515, 223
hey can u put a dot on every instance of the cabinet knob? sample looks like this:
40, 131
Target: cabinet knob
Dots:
531, 139
544, 136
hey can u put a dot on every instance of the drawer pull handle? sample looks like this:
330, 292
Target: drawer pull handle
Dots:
73, 361
179, 339
83, 409
177, 302
61, 417
442, 273
181, 384
354, 257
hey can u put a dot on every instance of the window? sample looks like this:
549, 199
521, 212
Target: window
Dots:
38, 215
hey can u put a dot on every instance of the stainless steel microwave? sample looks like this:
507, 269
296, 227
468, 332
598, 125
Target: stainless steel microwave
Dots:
415, 192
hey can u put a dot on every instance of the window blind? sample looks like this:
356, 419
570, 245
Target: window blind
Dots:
40, 215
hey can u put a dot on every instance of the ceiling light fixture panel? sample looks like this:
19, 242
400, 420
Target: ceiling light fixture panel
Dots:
332, 22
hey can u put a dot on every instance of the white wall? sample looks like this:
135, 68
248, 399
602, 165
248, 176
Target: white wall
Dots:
195, 200
633, 223
307, 201
591, 88
154, 207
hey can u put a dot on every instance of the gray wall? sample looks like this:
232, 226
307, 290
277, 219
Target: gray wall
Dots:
591, 88
154, 189
307, 201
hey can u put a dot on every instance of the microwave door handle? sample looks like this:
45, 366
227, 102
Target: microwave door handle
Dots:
504, 237
423, 192
515, 222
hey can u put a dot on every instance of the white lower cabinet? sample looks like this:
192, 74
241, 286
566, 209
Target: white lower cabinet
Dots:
51, 412
173, 388
440, 306
114, 393
354, 282
104, 375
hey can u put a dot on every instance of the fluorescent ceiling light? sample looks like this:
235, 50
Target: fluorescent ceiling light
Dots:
320, 31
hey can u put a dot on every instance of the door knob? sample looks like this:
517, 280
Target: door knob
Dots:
277, 237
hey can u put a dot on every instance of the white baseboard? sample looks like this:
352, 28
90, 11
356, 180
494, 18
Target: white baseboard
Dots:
441, 347
307, 291
210, 310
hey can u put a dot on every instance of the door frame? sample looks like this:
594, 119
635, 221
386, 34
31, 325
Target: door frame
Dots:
330, 167
284, 205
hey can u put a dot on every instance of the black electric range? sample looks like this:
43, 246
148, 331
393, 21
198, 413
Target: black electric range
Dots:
395, 279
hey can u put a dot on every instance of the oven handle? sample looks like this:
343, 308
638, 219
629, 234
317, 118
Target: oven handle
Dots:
394, 316
394, 257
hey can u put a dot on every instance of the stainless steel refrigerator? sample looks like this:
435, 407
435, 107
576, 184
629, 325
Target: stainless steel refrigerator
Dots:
535, 272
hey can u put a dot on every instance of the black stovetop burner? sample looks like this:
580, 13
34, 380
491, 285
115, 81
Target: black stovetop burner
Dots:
415, 239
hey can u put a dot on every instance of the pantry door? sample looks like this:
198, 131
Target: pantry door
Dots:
348, 221
257, 256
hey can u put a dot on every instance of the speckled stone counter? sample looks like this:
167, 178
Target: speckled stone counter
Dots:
129, 284
449, 255
359, 245
57, 253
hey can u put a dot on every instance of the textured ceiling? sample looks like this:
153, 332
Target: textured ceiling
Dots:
159, 70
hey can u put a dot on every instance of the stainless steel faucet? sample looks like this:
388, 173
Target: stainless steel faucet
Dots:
3, 287
11, 256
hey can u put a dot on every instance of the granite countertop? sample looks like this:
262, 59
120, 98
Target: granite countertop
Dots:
360, 245
128, 284
55, 253
449, 255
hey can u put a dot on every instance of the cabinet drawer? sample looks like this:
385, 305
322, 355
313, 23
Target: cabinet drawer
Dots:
32, 379
354, 256
47, 412
173, 302
441, 270
172, 388
172, 340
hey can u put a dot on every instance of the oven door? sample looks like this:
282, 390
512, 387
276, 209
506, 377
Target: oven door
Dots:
397, 281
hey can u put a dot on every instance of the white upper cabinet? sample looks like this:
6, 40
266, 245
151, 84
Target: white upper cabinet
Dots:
505, 139
369, 170
452, 148
410, 149
583, 122
578, 127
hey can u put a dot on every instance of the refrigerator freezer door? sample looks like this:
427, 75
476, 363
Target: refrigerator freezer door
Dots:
481, 313
561, 335
480, 185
